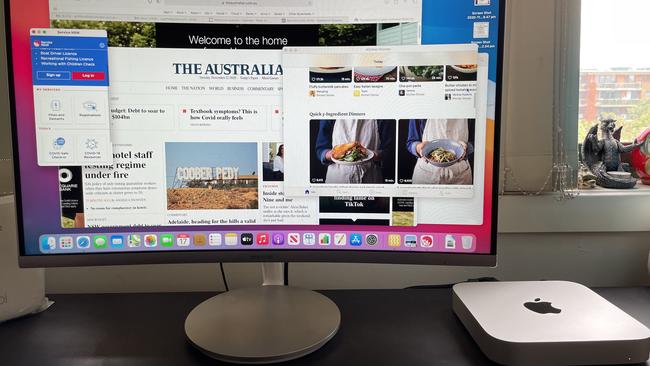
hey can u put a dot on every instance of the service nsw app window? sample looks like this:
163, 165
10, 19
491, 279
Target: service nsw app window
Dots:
398, 120
70, 82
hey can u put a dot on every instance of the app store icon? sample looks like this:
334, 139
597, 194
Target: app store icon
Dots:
356, 240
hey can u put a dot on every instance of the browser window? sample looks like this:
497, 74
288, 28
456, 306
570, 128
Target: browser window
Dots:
197, 133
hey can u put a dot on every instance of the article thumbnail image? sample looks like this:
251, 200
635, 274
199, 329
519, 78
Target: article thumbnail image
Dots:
369, 34
71, 197
330, 74
461, 73
211, 175
120, 34
403, 212
273, 162
348, 151
421, 73
436, 151
375, 74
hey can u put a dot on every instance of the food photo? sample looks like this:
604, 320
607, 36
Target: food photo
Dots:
352, 151
421, 73
375, 74
436, 151
461, 72
330, 74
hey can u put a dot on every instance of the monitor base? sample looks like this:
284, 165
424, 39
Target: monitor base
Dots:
263, 324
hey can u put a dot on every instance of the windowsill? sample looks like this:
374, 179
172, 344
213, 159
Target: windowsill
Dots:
597, 210
639, 190
5, 200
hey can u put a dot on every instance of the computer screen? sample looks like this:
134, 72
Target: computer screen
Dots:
161, 131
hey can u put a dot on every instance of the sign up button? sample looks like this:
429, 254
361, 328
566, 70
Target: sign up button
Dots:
53, 75
83, 75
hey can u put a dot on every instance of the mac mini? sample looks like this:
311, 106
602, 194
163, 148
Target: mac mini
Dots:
548, 323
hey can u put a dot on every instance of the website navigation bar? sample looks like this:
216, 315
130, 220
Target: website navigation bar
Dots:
249, 12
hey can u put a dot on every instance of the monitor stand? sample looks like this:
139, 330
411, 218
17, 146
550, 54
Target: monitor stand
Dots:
265, 324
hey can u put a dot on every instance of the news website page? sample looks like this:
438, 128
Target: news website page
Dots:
197, 131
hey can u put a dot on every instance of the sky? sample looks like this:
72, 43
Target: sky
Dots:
615, 33
211, 154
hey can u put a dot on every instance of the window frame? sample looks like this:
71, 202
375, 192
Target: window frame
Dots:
591, 211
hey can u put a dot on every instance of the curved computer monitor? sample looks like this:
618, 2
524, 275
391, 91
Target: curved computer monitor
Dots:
180, 131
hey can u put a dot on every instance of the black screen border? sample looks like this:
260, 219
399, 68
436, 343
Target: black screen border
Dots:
258, 255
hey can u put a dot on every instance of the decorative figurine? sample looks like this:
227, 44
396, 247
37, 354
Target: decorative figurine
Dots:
641, 158
603, 157
586, 180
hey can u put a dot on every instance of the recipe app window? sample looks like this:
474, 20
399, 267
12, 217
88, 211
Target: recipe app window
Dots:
389, 120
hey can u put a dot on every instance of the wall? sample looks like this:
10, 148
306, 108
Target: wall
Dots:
5, 135
527, 110
604, 259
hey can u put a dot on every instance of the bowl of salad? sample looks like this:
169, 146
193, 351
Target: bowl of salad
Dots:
444, 153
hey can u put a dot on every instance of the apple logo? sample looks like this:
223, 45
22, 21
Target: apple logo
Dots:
542, 307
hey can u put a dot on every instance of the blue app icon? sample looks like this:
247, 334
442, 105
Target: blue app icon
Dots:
356, 240
83, 242
117, 241
48, 243
410, 241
